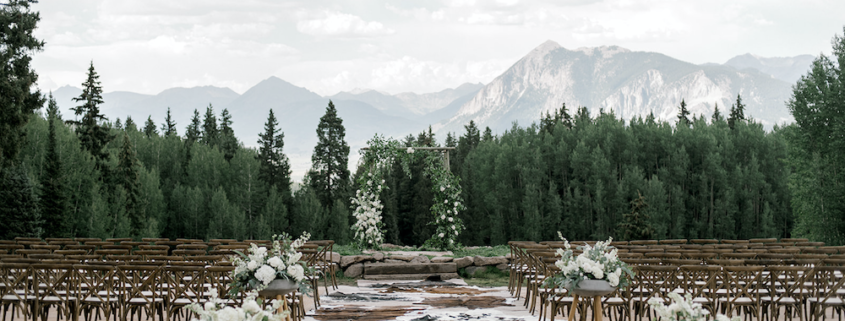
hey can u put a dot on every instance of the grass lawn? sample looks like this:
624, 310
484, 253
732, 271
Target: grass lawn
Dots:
492, 277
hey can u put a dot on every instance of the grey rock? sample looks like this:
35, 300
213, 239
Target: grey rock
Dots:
352, 259
333, 257
472, 270
503, 267
378, 256
354, 270
421, 260
485, 261
441, 259
394, 261
405, 258
464, 262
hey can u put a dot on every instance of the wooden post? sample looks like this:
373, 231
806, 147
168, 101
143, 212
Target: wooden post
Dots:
597, 308
284, 306
573, 307
447, 160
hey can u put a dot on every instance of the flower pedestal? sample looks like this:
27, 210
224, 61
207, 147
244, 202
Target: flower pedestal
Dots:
590, 288
278, 288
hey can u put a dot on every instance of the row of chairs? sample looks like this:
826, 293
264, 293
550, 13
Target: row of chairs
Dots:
73, 275
533, 262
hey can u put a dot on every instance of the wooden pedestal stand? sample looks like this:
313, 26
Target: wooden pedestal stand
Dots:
596, 308
278, 289
284, 306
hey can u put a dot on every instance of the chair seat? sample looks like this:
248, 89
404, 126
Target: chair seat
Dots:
137, 301
829, 301
781, 300
56, 299
739, 301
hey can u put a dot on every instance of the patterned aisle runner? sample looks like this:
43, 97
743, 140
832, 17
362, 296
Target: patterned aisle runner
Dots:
419, 301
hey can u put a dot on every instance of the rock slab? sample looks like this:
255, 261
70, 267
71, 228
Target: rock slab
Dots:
408, 268
463, 262
354, 270
485, 261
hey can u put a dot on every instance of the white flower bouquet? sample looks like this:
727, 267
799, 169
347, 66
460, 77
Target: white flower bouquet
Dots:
597, 262
255, 270
216, 310
683, 309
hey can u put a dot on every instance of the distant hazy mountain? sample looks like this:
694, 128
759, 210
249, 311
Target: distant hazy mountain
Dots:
788, 69
615, 79
409, 105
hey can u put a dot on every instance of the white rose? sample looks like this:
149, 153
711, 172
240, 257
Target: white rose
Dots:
265, 274
613, 279
442, 188
410, 150
456, 232
454, 228
251, 306
252, 265
442, 217
209, 306
450, 219
228, 314
457, 204
441, 235
275, 262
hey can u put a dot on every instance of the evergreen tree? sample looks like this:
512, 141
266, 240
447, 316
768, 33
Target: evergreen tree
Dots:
563, 116
53, 111
228, 141
20, 214
93, 135
274, 167
488, 135
450, 140
130, 125
338, 226
717, 115
329, 174
192, 132
150, 129
308, 213
54, 203
18, 100
275, 212
635, 224
683, 115
169, 127
118, 124
737, 112
210, 132
128, 176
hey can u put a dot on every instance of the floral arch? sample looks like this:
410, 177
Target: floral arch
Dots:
446, 188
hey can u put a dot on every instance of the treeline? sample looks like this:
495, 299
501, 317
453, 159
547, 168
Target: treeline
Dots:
700, 178
88, 176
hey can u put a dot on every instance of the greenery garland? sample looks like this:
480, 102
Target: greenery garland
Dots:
446, 188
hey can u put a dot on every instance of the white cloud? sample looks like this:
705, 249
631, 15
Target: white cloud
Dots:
342, 24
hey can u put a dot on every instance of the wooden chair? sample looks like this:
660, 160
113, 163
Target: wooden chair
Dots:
785, 290
16, 292
55, 286
98, 294
827, 282
700, 281
185, 285
139, 291
653, 281
743, 284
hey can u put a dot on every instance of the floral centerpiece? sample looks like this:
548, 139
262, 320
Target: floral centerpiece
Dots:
597, 262
255, 270
217, 310
682, 308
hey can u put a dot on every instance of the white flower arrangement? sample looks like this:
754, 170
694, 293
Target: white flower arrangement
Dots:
217, 310
447, 205
598, 262
368, 224
259, 267
683, 309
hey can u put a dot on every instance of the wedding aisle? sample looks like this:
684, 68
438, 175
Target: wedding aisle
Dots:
418, 300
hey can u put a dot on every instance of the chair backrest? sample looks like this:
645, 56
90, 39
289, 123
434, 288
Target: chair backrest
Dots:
218, 278
57, 281
184, 282
786, 281
655, 280
15, 278
742, 282
700, 281
826, 281
139, 282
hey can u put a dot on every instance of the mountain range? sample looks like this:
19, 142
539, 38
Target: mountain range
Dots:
628, 83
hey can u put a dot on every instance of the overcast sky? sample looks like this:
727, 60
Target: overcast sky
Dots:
147, 46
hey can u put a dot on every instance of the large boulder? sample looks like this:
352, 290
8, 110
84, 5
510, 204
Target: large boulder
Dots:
486, 261
378, 256
464, 262
333, 257
352, 259
421, 260
441, 259
472, 270
354, 270
503, 267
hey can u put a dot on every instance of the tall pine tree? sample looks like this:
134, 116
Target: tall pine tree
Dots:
18, 100
128, 176
274, 165
169, 127
210, 132
150, 129
54, 202
226, 137
737, 112
93, 135
717, 115
683, 114
329, 174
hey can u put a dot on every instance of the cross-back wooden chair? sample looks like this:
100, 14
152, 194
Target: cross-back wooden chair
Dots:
55, 286
653, 281
786, 291
743, 284
701, 282
98, 294
217, 277
139, 291
185, 285
16, 292
827, 284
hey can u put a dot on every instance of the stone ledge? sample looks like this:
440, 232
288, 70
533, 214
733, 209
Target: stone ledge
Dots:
443, 276
408, 268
